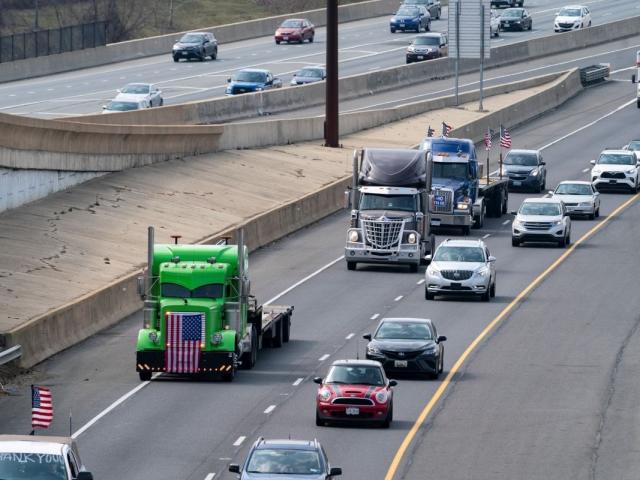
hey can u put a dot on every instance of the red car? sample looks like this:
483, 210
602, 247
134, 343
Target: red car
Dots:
355, 390
295, 30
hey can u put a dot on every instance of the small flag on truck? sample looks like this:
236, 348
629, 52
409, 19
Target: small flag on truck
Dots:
41, 407
446, 129
487, 139
505, 137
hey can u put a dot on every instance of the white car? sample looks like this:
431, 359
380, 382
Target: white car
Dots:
124, 103
634, 146
494, 29
579, 198
27, 457
461, 267
572, 17
616, 170
541, 220
142, 91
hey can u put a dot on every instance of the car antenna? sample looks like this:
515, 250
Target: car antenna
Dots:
357, 349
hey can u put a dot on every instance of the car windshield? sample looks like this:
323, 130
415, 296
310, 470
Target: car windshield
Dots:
291, 24
285, 461
449, 170
122, 106
426, 41
459, 254
545, 209
521, 159
355, 375
135, 88
407, 12
635, 145
191, 38
512, 13
310, 72
617, 159
569, 12
173, 290
31, 466
256, 77
573, 189
373, 201
403, 331
416, 2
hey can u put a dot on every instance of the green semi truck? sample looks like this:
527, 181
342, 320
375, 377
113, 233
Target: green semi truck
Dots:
199, 316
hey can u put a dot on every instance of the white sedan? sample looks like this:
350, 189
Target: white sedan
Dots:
579, 198
143, 91
124, 103
572, 17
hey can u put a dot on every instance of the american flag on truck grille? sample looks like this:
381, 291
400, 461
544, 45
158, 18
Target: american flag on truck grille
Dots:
185, 333
41, 407
505, 137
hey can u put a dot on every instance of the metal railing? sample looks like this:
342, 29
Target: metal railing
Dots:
594, 73
9, 354
39, 43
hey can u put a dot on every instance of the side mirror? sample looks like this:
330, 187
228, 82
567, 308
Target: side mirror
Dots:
295, 74
492, 258
513, 212
140, 286
229, 80
317, 380
119, 90
592, 162
367, 336
104, 107
392, 383
428, 258
335, 472
633, 78
234, 467
442, 338
84, 476
551, 192
543, 163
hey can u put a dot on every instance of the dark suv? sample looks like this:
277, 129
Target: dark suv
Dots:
198, 45
507, 3
433, 7
525, 169
428, 46
271, 459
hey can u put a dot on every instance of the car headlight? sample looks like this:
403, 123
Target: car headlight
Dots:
430, 350
517, 223
382, 397
354, 236
482, 272
259, 89
216, 338
176, 47
411, 49
412, 238
585, 204
534, 172
434, 272
373, 349
595, 172
517, 21
629, 172
324, 395
556, 222
393, 20
153, 336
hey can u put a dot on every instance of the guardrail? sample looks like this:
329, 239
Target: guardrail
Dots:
10, 354
594, 73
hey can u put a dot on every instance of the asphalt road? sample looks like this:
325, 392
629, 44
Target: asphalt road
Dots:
176, 428
364, 46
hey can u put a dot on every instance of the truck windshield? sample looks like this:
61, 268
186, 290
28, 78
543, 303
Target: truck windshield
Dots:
27, 466
448, 170
439, 148
173, 290
373, 201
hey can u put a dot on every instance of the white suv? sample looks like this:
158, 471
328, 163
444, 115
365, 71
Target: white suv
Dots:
461, 267
616, 170
541, 220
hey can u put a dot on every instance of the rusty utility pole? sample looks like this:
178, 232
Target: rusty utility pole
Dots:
331, 125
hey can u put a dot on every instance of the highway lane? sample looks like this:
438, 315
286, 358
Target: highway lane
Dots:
188, 427
365, 45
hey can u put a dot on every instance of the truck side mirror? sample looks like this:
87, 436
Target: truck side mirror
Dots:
140, 286
347, 199
633, 78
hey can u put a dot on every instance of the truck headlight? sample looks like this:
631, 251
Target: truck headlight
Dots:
382, 397
412, 238
354, 236
216, 338
462, 206
153, 336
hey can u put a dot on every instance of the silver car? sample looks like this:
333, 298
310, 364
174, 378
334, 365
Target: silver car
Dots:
142, 91
541, 220
494, 28
579, 198
461, 267
308, 75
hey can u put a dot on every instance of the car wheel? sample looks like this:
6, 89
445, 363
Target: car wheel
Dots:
486, 296
591, 216
389, 418
438, 14
413, 267
202, 57
568, 242
319, 422
311, 39
214, 55
145, 376
351, 265
597, 213
441, 368
427, 294
638, 103
393, 30
531, 26
161, 101
176, 59
408, 61
492, 289
515, 242
562, 243
427, 28
277, 42
589, 23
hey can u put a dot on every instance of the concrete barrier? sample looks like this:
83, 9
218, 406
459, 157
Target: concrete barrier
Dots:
225, 109
71, 323
145, 47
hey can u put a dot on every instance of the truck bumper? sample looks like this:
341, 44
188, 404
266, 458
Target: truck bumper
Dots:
407, 254
153, 361
450, 219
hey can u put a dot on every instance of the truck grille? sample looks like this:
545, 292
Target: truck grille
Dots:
456, 274
537, 225
442, 200
382, 234
612, 175
352, 401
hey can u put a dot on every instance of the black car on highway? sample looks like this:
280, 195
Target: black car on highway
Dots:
525, 169
198, 45
280, 459
407, 345
516, 19
507, 3
427, 46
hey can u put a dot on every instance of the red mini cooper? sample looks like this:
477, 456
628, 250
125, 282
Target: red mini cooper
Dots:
355, 390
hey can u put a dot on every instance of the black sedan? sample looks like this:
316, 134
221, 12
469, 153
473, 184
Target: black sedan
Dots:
516, 19
410, 345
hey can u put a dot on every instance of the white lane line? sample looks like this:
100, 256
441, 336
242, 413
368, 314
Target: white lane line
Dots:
420, 282
350, 336
111, 407
585, 170
506, 222
297, 382
239, 441
305, 279
398, 298
323, 357
210, 476
269, 409
622, 69
487, 235
374, 316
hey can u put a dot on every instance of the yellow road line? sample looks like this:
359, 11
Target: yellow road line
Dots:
395, 463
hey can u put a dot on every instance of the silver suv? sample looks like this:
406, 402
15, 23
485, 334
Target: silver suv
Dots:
616, 170
541, 220
461, 267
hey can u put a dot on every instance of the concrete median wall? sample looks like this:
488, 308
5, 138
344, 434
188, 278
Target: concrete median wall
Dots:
145, 47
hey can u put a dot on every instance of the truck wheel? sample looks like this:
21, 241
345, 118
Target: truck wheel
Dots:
466, 230
413, 267
351, 265
286, 329
276, 340
478, 222
145, 376
249, 358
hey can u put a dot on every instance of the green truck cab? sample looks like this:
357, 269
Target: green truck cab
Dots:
199, 316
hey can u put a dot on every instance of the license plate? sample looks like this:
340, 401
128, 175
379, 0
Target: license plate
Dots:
402, 24
285, 38
613, 181
352, 411
456, 286
438, 200
517, 183
420, 57
400, 363
185, 53
435, 222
